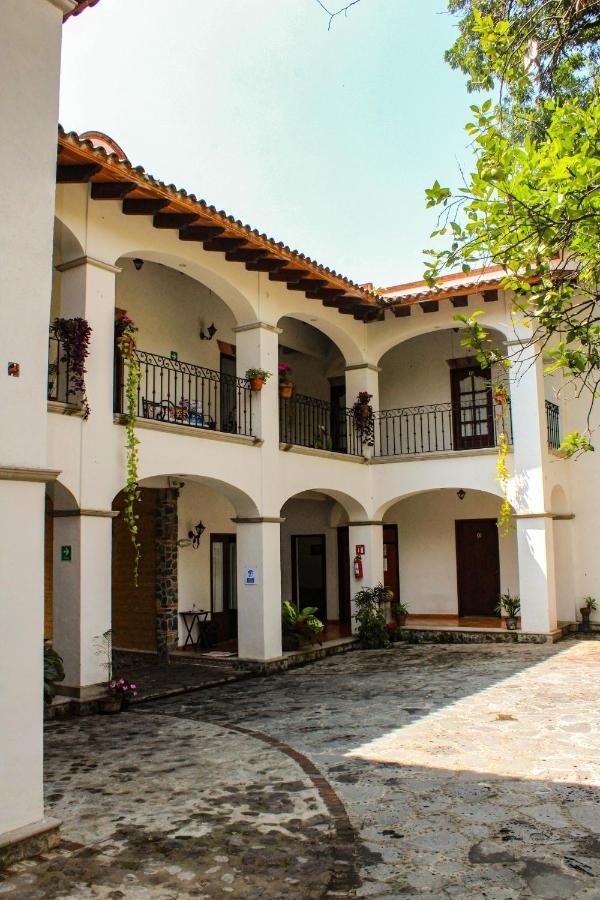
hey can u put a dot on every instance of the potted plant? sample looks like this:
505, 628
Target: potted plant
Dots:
74, 339
400, 611
511, 605
370, 617
257, 378
299, 626
364, 422
500, 394
393, 632
322, 439
589, 604
286, 387
54, 672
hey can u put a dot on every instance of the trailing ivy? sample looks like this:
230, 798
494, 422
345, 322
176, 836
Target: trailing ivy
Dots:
124, 330
504, 521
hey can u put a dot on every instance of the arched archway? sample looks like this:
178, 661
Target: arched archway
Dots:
176, 572
453, 562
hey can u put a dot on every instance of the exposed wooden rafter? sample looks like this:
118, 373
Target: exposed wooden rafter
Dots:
112, 190
76, 174
133, 206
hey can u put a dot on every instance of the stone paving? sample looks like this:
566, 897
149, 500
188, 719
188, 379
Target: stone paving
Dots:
466, 771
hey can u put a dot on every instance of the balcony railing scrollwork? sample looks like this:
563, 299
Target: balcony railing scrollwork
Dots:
439, 427
309, 422
182, 393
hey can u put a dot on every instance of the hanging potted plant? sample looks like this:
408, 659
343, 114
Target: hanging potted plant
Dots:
257, 378
364, 421
286, 387
125, 340
500, 392
74, 339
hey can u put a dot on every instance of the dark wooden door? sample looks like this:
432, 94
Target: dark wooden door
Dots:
223, 585
339, 434
472, 409
391, 577
343, 546
478, 566
309, 587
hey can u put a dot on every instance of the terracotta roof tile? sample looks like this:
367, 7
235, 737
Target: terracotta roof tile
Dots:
84, 4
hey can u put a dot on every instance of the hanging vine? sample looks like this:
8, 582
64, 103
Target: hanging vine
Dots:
74, 339
124, 331
501, 399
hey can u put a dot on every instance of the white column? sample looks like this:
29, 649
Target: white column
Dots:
259, 604
369, 535
82, 587
257, 347
528, 491
82, 592
30, 38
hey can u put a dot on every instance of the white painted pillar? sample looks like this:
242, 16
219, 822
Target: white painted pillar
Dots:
528, 492
363, 377
30, 40
82, 587
259, 604
257, 347
537, 586
369, 535
82, 607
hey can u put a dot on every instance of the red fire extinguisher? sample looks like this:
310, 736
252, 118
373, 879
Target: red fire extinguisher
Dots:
358, 567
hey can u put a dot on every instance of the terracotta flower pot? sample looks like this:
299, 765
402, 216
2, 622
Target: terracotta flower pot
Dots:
286, 389
256, 384
110, 705
402, 620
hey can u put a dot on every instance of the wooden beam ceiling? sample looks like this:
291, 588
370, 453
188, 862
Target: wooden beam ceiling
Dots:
112, 190
134, 206
76, 174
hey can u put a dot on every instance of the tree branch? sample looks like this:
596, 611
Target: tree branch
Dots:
332, 15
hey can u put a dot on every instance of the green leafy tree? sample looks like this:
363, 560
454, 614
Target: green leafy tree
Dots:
532, 202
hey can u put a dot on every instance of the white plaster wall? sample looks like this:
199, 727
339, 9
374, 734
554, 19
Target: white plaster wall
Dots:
427, 547
310, 516
169, 309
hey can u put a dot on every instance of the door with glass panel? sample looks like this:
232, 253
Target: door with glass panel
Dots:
472, 410
223, 581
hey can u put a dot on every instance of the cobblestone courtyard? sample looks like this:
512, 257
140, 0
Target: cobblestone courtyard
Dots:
424, 771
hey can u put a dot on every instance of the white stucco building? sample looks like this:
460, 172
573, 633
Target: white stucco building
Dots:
289, 488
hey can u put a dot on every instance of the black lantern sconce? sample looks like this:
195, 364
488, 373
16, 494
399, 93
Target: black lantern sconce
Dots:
461, 494
211, 331
195, 534
138, 263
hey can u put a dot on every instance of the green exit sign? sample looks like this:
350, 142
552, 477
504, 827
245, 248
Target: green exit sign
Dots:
65, 553
173, 354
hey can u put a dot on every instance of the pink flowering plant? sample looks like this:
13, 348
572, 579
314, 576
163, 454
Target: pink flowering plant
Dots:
284, 370
120, 687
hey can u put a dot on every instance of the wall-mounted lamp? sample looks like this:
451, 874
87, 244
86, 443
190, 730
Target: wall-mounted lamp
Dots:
195, 534
461, 494
211, 331
138, 263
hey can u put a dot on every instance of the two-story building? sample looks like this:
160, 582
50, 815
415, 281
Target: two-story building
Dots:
292, 488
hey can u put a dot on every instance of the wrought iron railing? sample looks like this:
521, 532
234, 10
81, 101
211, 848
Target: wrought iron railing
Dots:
553, 423
185, 394
59, 372
440, 427
310, 422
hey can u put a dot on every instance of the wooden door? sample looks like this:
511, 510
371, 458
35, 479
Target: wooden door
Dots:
472, 409
134, 608
343, 548
223, 585
309, 585
478, 566
391, 577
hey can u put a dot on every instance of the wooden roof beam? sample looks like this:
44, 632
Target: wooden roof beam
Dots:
307, 284
288, 275
78, 174
173, 220
325, 293
266, 265
460, 300
200, 232
112, 190
137, 206
246, 254
222, 244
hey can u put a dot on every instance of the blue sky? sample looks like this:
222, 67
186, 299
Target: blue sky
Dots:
323, 139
